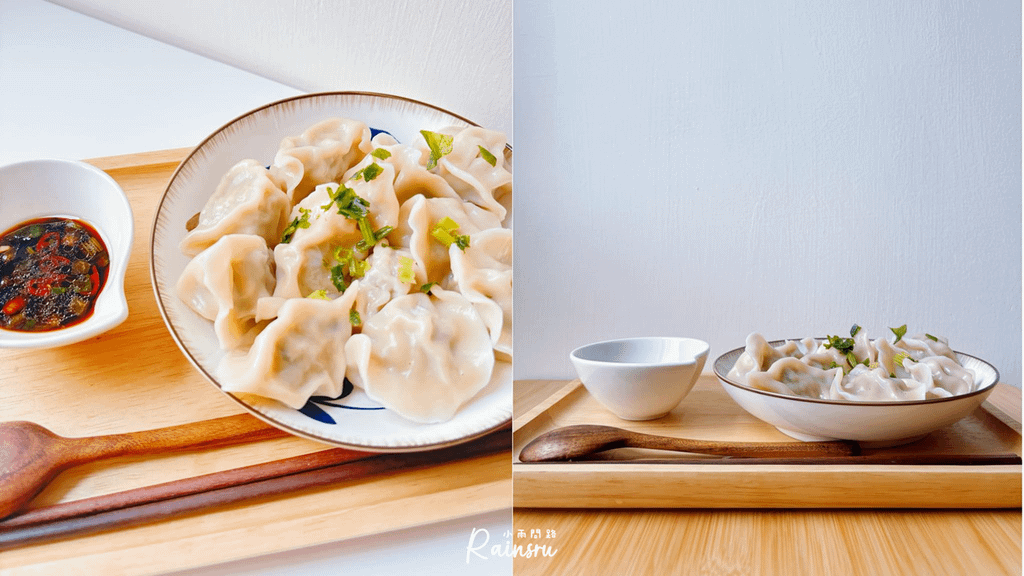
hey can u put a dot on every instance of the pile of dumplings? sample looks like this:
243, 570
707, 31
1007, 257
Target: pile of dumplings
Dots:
355, 256
887, 369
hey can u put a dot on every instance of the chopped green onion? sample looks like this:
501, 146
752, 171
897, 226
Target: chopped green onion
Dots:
852, 359
426, 287
381, 233
439, 144
354, 319
442, 236
462, 242
930, 337
487, 156
318, 295
405, 273
358, 268
338, 277
301, 222
448, 224
381, 154
899, 332
854, 330
57, 290
843, 345
366, 231
371, 171
342, 254
899, 358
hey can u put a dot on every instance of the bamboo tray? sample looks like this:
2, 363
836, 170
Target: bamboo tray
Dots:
135, 377
669, 481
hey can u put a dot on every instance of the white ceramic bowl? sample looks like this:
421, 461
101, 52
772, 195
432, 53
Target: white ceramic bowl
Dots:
640, 378
877, 423
71, 189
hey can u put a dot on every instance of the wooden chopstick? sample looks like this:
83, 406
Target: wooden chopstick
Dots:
153, 503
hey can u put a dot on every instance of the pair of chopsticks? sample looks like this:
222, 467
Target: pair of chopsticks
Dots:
152, 503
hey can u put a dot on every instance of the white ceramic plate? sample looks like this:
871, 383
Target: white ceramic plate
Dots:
352, 421
877, 423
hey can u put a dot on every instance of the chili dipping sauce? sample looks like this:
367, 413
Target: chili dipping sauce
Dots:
51, 271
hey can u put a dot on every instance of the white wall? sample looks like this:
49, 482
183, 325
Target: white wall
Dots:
450, 53
711, 168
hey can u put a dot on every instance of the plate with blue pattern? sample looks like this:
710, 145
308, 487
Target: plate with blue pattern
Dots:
351, 420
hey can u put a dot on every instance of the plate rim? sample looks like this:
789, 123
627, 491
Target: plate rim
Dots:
209, 378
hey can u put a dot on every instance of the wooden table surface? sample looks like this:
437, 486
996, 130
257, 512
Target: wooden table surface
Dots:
765, 542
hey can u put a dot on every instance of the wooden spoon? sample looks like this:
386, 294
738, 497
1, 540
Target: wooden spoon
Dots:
576, 442
31, 456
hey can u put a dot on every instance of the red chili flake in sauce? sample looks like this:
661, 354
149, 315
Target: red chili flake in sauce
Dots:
51, 272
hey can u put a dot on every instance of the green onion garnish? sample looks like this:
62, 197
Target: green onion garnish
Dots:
381, 154
338, 277
318, 295
899, 332
439, 144
486, 155
354, 319
426, 287
930, 337
854, 330
301, 222
405, 273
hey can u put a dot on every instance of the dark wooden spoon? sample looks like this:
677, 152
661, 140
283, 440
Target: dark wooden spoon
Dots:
31, 456
577, 442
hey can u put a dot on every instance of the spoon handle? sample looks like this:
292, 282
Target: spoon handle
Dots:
745, 449
205, 434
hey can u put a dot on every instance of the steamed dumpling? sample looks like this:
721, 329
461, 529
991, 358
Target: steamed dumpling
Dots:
422, 356
224, 283
468, 170
483, 274
304, 261
299, 354
417, 218
248, 200
323, 153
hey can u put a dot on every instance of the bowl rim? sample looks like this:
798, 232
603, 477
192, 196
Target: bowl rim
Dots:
721, 372
114, 286
703, 353
212, 378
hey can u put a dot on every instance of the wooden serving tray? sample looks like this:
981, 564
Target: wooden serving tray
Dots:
665, 480
134, 377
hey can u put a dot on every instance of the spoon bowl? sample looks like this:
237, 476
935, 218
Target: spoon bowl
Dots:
32, 456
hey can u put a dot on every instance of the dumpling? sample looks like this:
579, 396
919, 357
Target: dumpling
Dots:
483, 274
417, 218
791, 376
373, 181
224, 283
411, 176
299, 354
323, 153
468, 170
304, 261
381, 284
422, 356
757, 357
875, 385
248, 200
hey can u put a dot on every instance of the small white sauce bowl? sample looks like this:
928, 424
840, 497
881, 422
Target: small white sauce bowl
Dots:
640, 378
878, 424
71, 189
